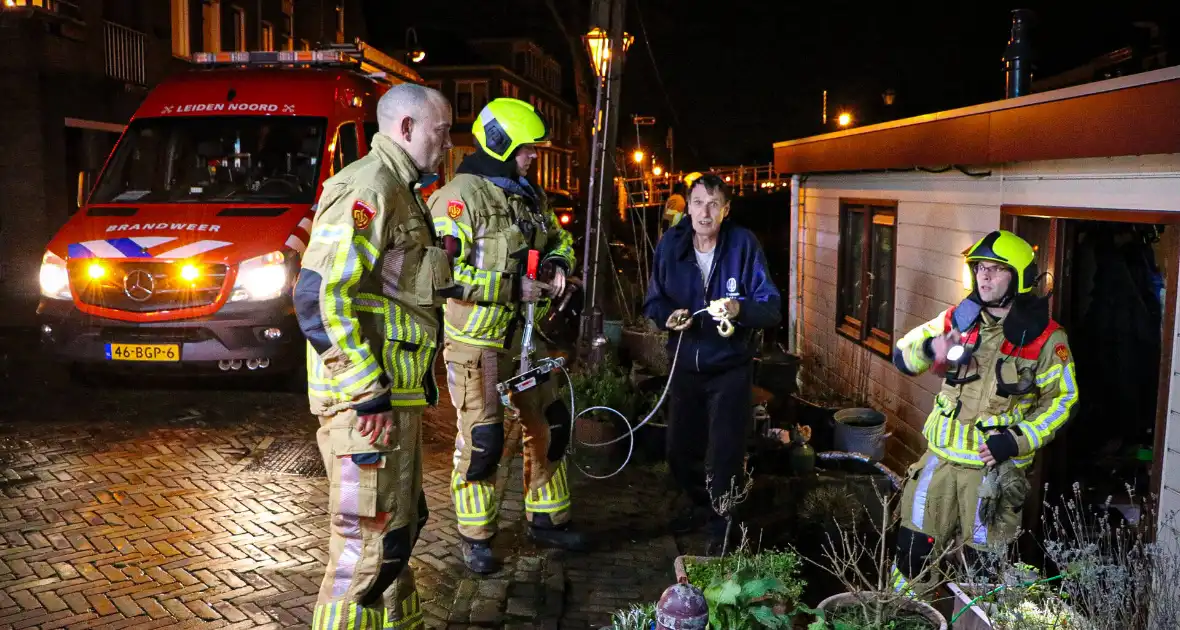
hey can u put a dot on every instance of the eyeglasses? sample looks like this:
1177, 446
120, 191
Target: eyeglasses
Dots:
991, 271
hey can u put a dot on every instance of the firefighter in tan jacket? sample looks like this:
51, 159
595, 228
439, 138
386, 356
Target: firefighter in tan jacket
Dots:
490, 216
368, 302
1010, 385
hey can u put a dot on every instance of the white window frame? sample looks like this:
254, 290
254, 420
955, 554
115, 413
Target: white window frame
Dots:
211, 26
181, 27
268, 36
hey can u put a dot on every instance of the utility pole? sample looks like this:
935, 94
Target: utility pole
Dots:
606, 14
671, 145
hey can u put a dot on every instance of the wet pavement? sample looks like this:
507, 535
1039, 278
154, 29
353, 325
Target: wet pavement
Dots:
141, 503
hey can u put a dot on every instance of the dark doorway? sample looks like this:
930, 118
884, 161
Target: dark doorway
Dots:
1110, 290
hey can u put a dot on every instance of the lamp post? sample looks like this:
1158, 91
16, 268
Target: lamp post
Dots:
606, 44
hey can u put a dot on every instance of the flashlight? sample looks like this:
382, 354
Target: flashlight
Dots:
957, 354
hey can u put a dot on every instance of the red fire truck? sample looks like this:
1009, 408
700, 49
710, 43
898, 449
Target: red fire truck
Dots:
186, 250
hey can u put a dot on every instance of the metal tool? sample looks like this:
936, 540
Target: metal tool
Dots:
530, 314
528, 379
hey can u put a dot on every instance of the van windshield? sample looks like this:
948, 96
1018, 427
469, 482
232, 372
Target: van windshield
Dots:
215, 159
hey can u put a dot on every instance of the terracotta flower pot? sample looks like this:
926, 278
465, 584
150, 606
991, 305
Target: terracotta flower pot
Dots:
680, 565
847, 600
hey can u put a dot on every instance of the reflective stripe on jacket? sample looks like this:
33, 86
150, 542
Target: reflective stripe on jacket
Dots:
1034, 418
486, 220
365, 298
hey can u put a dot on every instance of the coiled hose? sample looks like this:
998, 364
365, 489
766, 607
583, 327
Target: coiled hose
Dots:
724, 328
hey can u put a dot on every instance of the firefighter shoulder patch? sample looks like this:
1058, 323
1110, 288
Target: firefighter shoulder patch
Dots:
1062, 352
455, 208
362, 214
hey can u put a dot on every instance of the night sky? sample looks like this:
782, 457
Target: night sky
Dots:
739, 75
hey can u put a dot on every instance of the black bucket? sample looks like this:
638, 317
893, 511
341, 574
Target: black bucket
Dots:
819, 418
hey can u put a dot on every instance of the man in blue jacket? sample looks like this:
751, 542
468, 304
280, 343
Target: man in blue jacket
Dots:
699, 261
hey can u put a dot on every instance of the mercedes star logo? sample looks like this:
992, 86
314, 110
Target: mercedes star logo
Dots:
139, 285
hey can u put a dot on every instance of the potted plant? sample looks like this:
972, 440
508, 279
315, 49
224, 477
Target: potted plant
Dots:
863, 565
1117, 574
1030, 605
744, 565
646, 344
602, 384
637, 617
745, 589
745, 601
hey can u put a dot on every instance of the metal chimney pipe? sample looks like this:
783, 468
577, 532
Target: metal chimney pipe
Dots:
1018, 57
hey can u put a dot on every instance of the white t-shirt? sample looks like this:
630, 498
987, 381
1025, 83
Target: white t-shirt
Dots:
705, 262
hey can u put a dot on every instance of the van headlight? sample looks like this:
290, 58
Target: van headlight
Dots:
55, 278
261, 278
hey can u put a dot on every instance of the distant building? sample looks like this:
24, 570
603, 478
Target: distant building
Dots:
516, 68
72, 74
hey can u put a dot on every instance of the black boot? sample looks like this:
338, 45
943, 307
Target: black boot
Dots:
543, 532
478, 556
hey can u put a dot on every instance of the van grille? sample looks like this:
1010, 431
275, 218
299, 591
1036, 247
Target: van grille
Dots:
141, 286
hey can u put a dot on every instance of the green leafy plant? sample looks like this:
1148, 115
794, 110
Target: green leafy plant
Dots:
634, 618
605, 384
783, 566
856, 618
745, 600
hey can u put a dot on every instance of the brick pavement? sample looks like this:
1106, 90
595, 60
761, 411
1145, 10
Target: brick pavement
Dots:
632, 562
162, 506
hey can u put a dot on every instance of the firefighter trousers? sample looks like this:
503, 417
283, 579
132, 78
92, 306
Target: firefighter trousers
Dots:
472, 374
377, 510
940, 503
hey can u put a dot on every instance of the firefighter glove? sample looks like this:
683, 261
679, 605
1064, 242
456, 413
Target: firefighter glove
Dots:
1002, 446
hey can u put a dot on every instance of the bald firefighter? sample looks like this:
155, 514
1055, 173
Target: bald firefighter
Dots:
368, 302
489, 216
1010, 385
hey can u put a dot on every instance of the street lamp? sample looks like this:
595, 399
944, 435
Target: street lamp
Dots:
413, 52
638, 156
844, 119
657, 171
598, 45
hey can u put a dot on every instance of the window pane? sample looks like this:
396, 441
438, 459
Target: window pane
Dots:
851, 288
481, 96
881, 296
215, 159
463, 102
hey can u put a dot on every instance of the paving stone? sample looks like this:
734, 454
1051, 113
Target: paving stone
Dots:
137, 510
493, 589
487, 612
